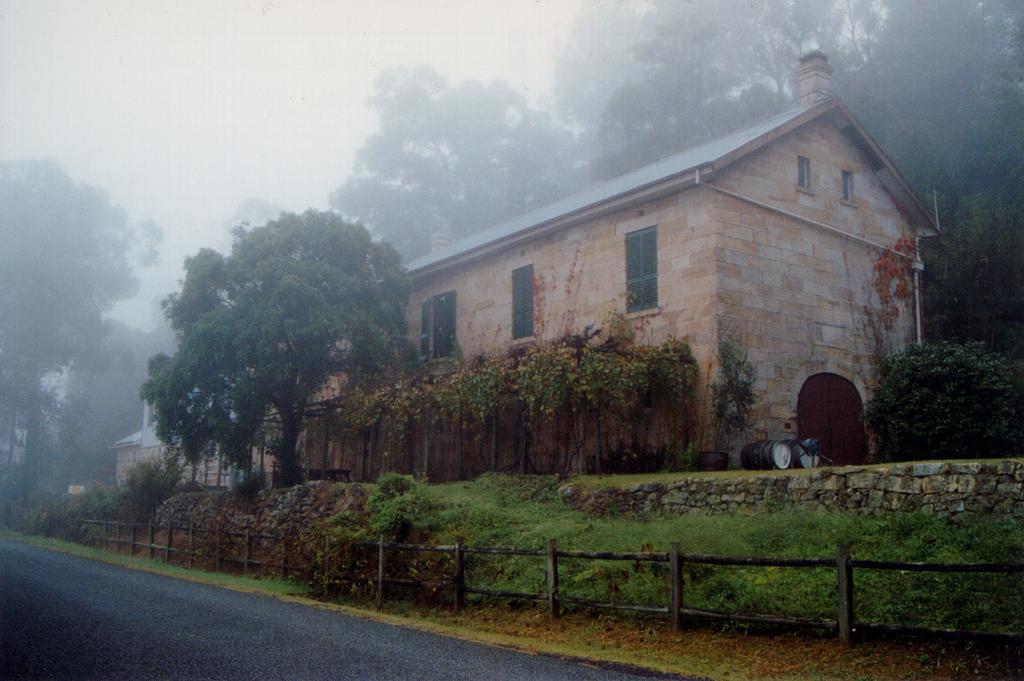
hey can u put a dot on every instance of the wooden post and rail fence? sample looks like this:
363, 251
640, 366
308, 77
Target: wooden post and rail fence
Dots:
844, 625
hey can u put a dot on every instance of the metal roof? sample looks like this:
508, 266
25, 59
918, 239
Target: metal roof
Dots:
688, 159
133, 439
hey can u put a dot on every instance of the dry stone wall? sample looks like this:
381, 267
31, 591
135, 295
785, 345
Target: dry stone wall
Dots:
950, 489
289, 511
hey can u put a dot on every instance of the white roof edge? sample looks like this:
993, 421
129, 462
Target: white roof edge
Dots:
133, 439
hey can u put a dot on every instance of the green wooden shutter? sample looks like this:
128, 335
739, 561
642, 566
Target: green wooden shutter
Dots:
425, 330
522, 302
642, 270
444, 324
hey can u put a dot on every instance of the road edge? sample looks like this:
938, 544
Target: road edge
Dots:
528, 645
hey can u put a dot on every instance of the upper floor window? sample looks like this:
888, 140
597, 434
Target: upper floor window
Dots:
847, 185
642, 270
803, 172
522, 302
437, 326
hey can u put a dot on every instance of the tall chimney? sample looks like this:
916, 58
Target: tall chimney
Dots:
815, 77
439, 239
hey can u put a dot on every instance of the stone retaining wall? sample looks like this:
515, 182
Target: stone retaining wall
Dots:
290, 510
951, 489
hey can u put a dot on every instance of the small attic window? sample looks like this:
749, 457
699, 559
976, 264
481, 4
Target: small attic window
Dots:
847, 186
803, 172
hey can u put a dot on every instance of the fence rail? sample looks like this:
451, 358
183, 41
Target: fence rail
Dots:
845, 624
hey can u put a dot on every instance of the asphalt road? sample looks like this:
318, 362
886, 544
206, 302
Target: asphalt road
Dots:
63, 617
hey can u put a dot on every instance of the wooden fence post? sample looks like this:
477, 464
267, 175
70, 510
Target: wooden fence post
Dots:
106, 535
284, 559
216, 547
151, 553
191, 544
131, 538
675, 564
460, 577
494, 441
169, 543
327, 562
553, 602
844, 572
248, 552
380, 572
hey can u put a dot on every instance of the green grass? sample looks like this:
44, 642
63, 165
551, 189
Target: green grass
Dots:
222, 579
525, 512
616, 639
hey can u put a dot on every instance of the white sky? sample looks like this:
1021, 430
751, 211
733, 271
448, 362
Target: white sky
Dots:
182, 109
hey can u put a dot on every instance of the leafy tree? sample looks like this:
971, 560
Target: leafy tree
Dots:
65, 260
974, 284
456, 159
261, 331
709, 66
942, 399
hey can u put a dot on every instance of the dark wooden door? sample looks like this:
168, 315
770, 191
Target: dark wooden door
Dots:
829, 409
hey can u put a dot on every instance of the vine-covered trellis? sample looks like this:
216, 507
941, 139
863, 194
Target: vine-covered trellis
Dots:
491, 412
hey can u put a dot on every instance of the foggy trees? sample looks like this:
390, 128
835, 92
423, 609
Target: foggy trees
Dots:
65, 258
938, 83
453, 158
261, 331
101, 399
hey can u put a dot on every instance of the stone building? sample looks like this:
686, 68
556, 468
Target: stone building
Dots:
796, 235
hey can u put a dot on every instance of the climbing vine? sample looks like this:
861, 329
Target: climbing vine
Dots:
892, 280
576, 373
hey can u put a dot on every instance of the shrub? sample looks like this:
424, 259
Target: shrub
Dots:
251, 484
398, 506
148, 484
945, 400
62, 517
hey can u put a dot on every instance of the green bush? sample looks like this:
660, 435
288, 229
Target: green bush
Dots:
148, 484
940, 400
62, 517
251, 484
398, 507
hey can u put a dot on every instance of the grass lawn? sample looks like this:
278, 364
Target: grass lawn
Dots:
526, 511
719, 653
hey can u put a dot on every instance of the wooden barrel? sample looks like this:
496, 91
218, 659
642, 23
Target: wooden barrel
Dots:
781, 455
769, 454
750, 455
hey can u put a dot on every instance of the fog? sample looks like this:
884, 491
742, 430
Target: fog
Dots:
183, 110
133, 134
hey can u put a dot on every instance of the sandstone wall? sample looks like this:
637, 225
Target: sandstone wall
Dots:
949, 489
802, 297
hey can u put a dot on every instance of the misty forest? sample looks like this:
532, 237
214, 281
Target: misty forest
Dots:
939, 84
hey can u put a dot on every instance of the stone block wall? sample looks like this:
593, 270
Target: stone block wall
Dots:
290, 511
944, 488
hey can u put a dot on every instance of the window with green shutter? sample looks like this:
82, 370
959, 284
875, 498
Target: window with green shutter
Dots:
444, 325
425, 330
522, 302
642, 270
437, 326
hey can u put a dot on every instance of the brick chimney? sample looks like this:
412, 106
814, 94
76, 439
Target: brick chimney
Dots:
815, 77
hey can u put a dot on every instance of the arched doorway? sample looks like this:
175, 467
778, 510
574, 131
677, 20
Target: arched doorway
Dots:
829, 409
